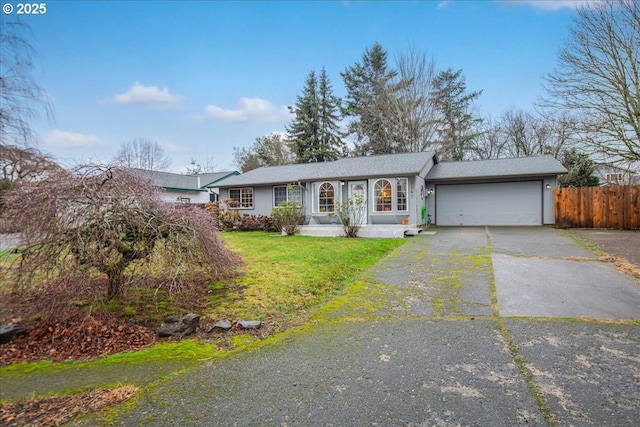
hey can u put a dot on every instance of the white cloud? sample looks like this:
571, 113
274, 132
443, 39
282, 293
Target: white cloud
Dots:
249, 110
443, 4
551, 4
140, 94
71, 140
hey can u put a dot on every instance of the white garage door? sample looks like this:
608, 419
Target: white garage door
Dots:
505, 203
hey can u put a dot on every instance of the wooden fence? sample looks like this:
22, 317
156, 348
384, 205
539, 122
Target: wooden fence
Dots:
616, 206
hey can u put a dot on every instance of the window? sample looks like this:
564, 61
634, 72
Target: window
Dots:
382, 195
287, 193
326, 197
401, 194
241, 198
615, 177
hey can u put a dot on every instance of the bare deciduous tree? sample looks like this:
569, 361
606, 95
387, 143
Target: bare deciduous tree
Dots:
519, 133
101, 221
196, 168
24, 164
490, 144
142, 153
598, 78
20, 95
411, 115
524, 134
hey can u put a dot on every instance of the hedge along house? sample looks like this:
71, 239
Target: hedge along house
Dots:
400, 190
178, 188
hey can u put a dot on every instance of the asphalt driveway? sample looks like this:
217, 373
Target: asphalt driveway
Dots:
467, 327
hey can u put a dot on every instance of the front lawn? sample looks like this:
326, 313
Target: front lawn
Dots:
281, 280
285, 276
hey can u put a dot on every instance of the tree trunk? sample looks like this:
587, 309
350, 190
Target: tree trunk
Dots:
115, 278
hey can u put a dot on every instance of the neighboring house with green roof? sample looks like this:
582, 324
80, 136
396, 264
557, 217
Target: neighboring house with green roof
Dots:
406, 189
178, 188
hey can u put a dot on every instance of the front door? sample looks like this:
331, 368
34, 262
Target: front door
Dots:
358, 191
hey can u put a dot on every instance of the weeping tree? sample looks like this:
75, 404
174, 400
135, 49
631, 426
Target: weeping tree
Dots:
21, 98
101, 221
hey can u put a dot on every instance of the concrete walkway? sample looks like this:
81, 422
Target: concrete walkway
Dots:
443, 332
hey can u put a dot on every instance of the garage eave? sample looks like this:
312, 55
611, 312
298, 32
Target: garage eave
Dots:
502, 169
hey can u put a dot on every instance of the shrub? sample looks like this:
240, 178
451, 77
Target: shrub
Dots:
288, 217
351, 215
256, 223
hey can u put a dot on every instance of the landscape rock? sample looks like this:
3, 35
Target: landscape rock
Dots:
174, 327
11, 332
249, 324
225, 325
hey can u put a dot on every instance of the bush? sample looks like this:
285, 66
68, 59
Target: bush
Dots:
288, 217
230, 219
351, 215
225, 218
256, 223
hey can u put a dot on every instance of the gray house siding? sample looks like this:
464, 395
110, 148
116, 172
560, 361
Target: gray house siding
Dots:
263, 200
487, 192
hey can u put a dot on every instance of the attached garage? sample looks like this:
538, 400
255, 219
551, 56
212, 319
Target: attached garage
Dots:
493, 192
504, 203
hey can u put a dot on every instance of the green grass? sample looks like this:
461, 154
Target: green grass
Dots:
285, 276
283, 279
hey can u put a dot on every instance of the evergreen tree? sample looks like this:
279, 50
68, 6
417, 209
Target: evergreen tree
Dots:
456, 125
330, 143
369, 97
314, 131
304, 128
581, 168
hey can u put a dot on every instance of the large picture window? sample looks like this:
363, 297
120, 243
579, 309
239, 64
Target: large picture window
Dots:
286, 193
326, 197
401, 194
241, 198
382, 195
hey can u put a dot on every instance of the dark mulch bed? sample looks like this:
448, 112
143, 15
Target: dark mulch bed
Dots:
79, 337
55, 411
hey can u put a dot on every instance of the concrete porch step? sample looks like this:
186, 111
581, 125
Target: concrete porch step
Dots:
412, 231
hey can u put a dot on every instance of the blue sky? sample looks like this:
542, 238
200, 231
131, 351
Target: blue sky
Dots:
202, 77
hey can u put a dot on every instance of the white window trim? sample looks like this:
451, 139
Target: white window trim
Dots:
407, 195
394, 195
253, 198
273, 193
316, 197
374, 197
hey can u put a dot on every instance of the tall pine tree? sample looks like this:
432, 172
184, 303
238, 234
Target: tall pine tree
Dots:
314, 131
369, 95
330, 143
303, 130
456, 125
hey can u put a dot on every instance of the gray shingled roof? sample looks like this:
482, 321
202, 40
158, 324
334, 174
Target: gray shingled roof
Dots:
350, 167
523, 166
182, 182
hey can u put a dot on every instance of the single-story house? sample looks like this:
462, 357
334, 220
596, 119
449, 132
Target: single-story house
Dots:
407, 188
178, 188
